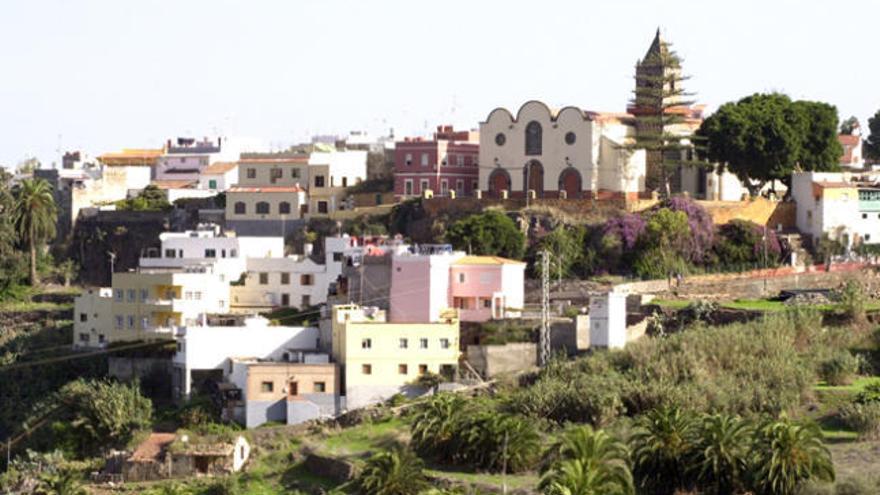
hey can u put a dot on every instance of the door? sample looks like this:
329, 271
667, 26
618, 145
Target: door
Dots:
533, 176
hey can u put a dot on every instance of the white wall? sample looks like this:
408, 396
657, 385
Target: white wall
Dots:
351, 164
608, 320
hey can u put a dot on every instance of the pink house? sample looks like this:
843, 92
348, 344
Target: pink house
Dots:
482, 288
447, 163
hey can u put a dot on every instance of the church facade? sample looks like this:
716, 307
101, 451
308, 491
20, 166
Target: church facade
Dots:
568, 153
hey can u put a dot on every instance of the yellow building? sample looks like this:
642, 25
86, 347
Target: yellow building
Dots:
380, 359
148, 304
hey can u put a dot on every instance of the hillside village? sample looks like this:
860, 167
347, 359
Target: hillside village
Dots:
556, 300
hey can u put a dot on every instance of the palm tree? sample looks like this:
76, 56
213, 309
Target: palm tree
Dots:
721, 453
433, 424
34, 217
393, 472
587, 462
786, 454
662, 445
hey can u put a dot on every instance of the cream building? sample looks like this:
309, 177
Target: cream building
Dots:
381, 359
330, 174
568, 152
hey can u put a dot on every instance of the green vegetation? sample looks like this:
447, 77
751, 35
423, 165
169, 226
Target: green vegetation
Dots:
34, 216
587, 461
393, 472
150, 199
488, 233
764, 137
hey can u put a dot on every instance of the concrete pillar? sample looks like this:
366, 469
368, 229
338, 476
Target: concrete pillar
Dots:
532, 194
478, 194
504, 193
563, 194
428, 193
452, 193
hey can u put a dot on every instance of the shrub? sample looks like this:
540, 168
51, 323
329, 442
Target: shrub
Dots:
870, 393
394, 472
840, 368
741, 242
863, 418
702, 229
853, 300
488, 233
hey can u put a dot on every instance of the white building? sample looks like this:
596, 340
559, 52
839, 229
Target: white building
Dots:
583, 154
330, 173
219, 176
843, 205
293, 280
608, 320
204, 352
92, 317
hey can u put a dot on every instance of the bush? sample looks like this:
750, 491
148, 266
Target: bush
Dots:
840, 368
488, 233
853, 300
863, 418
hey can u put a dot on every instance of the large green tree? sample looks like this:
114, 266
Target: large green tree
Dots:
765, 137
34, 216
849, 125
488, 233
872, 142
786, 454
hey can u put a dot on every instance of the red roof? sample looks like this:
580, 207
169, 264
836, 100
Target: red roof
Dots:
266, 189
269, 161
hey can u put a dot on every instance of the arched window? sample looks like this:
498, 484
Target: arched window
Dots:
284, 208
533, 138
262, 207
240, 208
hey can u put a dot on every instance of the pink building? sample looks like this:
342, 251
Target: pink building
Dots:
482, 288
449, 162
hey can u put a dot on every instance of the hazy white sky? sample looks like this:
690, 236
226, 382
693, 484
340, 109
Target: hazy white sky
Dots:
106, 74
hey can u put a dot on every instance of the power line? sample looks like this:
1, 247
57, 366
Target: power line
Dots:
82, 355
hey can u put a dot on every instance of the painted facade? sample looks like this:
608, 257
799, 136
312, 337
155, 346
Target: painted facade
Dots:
380, 359
289, 392
330, 174
428, 281
219, 177
583, 154
448, 162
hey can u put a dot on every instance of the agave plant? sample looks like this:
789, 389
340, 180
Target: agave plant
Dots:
587, 462
786, 454
394, 472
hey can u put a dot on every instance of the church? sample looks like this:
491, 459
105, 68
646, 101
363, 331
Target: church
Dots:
576, 153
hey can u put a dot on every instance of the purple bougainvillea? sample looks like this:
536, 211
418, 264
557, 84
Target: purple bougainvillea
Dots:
774, 248
627, 228
700, 222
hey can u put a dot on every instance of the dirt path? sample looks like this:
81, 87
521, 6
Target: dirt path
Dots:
856, 458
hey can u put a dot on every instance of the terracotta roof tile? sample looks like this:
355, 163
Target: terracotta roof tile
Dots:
220, 167
267, 189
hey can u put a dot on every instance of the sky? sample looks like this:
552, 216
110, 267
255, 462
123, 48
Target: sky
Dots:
101, 75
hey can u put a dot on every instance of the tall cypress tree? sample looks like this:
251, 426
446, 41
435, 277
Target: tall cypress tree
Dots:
664, 125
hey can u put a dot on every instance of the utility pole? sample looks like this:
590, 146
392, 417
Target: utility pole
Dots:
544, 342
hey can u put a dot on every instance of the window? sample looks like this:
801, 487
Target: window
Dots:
424, 159
319, 181
570, 138
424, 186
145, 322
408, 187
423, 368
120, 321
101, 338
83, 337
145, 294
130, 321
459, 160
337, 257
500, 139
423, 343
408, 159
132, 295
487, 303
285, 300
444, 187
83, 317
284, 208
170, 253
294, 173
275, 174
444, 343
459, 187
251, 173
212, 184
319, 387
461, 278
867, 237
306, 301
345, 182
306, 279
262, 207
264, 278
285, 278
267, 387
864, 215
210, 253
533, 138
403, 343
367, 344
240, 208
367, 369
402, 369
475, 186
233, 253
322, 207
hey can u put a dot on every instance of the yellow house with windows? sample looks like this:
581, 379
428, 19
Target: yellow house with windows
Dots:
148, 304
381, 359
